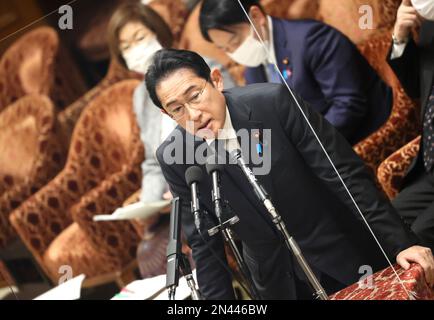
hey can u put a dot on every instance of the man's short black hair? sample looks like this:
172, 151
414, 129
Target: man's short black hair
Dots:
166, 61
219, 14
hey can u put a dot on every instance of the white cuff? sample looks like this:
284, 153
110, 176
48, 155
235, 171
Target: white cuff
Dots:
397, 50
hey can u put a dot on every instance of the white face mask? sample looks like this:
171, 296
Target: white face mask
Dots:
251, 52
425, 8
139, 56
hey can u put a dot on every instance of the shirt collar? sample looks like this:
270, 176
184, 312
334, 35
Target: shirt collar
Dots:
272, 54
227, 132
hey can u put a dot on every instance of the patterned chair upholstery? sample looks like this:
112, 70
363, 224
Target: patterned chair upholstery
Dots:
392, 170
345, 16
31, 154
37, 64
403, 123
292, 9
5, 277
342, 15
102, 170
385, 286
70, 115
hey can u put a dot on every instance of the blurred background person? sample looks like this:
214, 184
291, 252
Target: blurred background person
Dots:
413, 63
316, 60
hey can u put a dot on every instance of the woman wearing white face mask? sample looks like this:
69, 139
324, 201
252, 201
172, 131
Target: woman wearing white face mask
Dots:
135, 33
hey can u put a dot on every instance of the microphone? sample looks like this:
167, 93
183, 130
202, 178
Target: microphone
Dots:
174, 247
214, 169
280, 225
176, 259
194, 176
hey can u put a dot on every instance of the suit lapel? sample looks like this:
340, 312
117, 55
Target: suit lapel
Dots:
241, 119
281, 48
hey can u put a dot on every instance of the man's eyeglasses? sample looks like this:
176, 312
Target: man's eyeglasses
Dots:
178, 111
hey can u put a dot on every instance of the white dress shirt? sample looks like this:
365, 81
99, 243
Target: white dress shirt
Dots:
398, 50
227, 134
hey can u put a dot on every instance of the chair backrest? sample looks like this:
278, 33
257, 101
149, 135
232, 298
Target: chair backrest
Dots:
26, 126
106, 139
403, 123
27, 66
350, 16
30, 155
106, 133
292, 9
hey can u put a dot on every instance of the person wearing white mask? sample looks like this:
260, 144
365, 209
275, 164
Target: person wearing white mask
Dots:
425, 8
318, 62
413, 63
135, 33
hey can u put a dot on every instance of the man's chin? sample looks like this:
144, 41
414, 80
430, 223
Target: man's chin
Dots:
206, 134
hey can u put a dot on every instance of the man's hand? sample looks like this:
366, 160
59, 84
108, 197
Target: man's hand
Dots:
420, 255
167, 196
406, 19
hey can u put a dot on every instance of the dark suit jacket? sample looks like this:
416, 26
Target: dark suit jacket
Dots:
304, 188
329, 72
415, 70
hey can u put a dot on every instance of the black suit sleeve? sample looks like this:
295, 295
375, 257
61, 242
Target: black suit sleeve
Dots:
214, 281
407, 69
378, 212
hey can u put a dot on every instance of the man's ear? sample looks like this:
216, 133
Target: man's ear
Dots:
258, 17
217, 78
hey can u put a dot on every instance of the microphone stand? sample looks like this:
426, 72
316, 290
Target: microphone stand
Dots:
225, 227
290, 242
226, 230
176, 259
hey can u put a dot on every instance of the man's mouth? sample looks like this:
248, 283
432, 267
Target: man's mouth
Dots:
205, 125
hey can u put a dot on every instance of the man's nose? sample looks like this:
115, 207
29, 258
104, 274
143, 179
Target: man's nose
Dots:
194, 114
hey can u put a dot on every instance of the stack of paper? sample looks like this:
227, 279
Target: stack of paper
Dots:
153, 289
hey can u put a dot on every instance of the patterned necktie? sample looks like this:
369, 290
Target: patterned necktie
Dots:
428, 134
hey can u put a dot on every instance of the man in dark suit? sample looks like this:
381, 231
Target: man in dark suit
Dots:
316, 61
301, 181
414, 65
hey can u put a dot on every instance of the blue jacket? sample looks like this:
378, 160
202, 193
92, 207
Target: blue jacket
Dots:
326, 69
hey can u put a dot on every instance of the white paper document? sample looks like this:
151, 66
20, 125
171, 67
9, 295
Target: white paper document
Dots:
69, 290
153, 289
138, 210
